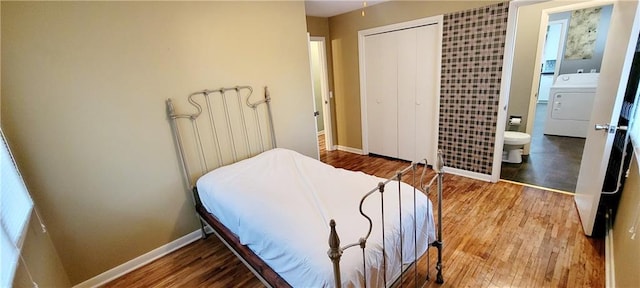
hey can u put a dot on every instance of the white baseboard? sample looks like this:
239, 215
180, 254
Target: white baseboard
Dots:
140, 261
349, 149
468, 174
609, 267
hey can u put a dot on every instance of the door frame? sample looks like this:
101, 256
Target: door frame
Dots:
563, 36
535, 83
507, 67
326, 95
433, 20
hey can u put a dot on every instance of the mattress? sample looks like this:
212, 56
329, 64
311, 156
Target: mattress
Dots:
279, 204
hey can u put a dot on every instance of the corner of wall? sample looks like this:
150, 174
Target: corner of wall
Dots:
40, 261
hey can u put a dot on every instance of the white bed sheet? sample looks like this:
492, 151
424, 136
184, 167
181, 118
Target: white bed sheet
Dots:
279, 203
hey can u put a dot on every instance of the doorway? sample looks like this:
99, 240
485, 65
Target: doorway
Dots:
620, 47
553, 156
552, 56
321, 94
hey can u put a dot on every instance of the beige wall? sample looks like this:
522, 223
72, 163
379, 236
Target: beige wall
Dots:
39, 254
42, 260
344, 42
83, 105
626, 251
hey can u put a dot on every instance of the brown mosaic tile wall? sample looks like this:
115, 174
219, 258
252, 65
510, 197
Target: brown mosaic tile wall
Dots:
472, 53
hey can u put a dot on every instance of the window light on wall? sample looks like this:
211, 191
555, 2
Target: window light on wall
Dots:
15, 210
364, 5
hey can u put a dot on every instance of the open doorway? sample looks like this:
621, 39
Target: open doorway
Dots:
552, 54
321, 94
603, 129
554, 112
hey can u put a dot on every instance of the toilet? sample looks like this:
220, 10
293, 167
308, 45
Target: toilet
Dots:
513, 144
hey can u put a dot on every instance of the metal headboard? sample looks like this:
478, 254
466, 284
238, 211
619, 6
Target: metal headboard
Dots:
226, 127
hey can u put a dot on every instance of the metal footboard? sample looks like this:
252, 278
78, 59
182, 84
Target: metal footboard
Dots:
335, 250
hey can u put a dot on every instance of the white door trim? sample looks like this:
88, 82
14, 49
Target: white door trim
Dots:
434, 20
505, 84
313, 98
535, 83
326, 95
563, 35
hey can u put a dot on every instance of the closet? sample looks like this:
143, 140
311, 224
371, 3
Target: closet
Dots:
400, 69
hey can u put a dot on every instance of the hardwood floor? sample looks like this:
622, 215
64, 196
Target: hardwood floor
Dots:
495, 235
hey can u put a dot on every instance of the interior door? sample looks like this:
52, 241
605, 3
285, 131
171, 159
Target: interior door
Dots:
313, 94
616, 63
381, 84
427, 93
407, 64
417, 92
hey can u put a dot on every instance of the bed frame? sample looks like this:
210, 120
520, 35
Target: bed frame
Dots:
234, 127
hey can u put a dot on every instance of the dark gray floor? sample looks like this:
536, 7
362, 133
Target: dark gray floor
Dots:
553, 162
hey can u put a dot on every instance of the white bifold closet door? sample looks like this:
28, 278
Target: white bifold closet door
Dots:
382, 105
401, 92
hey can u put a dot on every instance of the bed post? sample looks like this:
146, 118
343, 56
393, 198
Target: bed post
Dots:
335, 252
267, 100
177, 138
438, 243
203, 224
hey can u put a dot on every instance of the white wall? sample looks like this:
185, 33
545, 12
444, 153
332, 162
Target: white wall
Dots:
83, 107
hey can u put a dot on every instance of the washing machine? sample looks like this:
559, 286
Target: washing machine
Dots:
570, 104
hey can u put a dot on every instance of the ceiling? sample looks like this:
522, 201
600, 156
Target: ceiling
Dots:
328, 8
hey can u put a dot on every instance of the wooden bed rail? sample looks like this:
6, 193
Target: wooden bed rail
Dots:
335, 251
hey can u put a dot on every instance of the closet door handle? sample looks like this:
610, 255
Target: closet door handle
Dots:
602, 127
